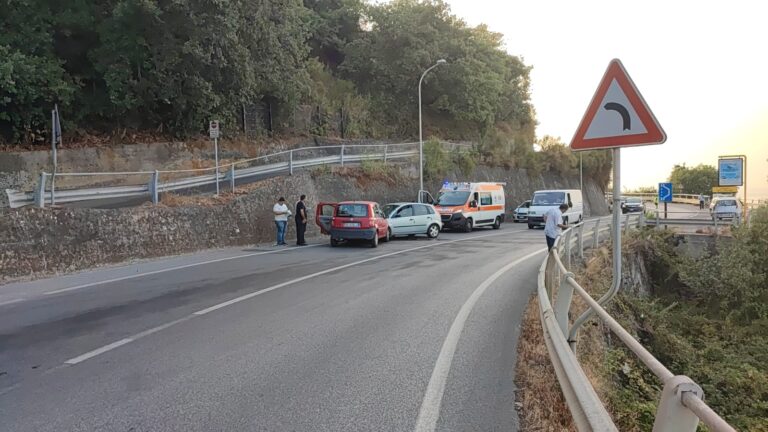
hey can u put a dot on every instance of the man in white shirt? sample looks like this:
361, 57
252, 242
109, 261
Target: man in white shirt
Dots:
281, 220
553, 224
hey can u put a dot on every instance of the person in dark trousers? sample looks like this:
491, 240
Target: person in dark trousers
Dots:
701, 201
553, 224
301, 221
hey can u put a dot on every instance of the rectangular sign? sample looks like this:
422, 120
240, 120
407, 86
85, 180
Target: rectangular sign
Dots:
725, 189
665, 192
213, 129
730, 172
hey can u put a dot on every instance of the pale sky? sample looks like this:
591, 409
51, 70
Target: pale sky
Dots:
702, 67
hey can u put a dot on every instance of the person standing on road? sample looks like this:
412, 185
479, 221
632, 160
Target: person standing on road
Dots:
281, 220
301, 221
701, 202
553, 224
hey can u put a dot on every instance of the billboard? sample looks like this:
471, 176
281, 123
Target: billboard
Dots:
730, 172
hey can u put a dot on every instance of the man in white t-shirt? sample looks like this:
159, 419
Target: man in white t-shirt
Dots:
281, 220
553, 224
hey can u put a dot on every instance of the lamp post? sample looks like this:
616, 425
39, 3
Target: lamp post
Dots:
421, 137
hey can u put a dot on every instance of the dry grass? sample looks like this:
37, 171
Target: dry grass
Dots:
541, 405
173, 200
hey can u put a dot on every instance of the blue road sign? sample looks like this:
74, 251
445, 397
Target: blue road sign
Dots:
665, 192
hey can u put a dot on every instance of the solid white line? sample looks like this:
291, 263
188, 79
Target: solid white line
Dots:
140, 335
181, 267
98, 351
433, 396
11, 301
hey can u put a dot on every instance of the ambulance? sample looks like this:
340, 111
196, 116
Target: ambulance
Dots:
464, 206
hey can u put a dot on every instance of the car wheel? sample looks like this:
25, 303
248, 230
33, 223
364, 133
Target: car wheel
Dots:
334, 242
497, 223
388, 237
530, 226
468, 225
581, 218
433, 231
375, 241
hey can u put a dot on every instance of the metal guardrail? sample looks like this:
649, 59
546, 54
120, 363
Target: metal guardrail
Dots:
682, 403
284, 162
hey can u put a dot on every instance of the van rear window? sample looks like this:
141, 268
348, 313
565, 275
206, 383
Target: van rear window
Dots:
352, 210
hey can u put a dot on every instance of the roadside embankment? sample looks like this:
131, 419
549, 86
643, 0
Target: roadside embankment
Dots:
36, 242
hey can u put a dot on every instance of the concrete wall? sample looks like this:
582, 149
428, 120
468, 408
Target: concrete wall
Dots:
48, 241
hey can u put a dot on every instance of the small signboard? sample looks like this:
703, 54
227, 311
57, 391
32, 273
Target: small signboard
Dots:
665, 192
213, 129
725, 189
730, 172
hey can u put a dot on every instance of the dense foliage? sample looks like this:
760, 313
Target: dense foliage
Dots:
695, 180
707, 319
169, 66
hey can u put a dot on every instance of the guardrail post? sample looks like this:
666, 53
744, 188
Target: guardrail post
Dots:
581, 240
626, 224
672, 415
342, 155
290, 162
385, 153
40, 191
153, 187
563, 303
232, 175
568, 235
596, 235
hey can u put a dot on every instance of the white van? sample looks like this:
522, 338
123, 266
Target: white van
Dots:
544, 200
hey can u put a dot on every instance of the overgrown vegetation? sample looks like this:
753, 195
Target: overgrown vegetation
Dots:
707, 318
169, 67
693, 180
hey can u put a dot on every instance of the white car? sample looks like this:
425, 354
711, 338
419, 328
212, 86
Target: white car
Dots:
727, 208
408, 219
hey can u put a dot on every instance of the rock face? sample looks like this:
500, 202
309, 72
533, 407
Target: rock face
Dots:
56, 240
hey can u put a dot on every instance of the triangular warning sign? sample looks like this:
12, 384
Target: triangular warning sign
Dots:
617, 116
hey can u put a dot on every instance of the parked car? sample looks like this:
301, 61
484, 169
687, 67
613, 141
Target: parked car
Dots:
633, 205
727, 208
520, 213
406, 219
352, 220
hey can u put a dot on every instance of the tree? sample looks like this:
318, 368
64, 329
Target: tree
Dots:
697, 180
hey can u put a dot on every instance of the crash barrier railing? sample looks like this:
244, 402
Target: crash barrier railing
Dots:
152, 183
681, 405
661, 218
676, 198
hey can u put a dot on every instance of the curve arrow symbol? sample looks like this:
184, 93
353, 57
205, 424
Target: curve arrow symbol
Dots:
619, 108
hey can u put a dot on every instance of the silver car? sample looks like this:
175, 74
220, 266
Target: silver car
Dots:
727, 208
520, 214
409, 219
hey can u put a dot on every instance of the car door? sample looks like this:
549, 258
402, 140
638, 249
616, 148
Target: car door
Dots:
485, 215
324, 215
381, 221
402, 221
421, 218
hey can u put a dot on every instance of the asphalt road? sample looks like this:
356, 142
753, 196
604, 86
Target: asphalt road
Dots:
416, 335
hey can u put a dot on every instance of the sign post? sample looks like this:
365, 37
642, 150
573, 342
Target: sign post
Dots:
732, 171
55, 139
213, 132
617, 116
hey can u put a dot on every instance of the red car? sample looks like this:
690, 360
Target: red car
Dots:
352, 220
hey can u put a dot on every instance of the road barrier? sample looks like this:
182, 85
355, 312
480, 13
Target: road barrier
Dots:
153, 183
681, 406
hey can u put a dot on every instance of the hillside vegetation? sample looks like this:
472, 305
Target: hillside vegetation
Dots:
170, 66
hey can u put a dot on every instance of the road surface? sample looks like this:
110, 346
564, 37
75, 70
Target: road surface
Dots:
416, 335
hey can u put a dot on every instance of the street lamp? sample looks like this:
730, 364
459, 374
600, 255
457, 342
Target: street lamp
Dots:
421, 137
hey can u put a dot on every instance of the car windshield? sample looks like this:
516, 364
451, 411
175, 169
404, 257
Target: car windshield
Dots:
548, 198
389, 208
352, 210
724, 203
453, 198
634, 201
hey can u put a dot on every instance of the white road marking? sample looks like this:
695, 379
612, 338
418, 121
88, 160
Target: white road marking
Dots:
433, 396
181, 267
140, 335
12, 301
94, 353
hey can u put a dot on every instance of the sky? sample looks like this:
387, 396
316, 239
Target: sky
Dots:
701, 66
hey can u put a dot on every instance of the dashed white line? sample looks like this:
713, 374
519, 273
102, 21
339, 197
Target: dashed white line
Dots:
181, 267
433, 396
140, 335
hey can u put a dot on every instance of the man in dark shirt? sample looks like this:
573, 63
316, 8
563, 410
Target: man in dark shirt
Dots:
301, 221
